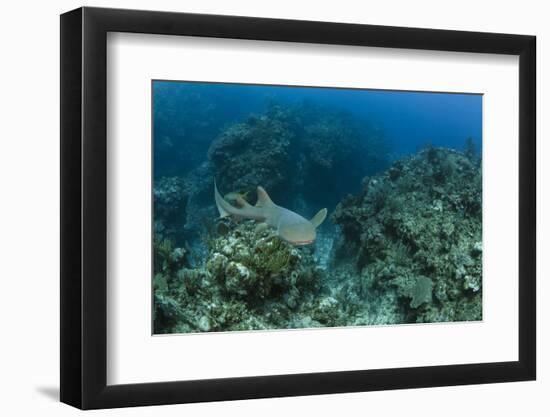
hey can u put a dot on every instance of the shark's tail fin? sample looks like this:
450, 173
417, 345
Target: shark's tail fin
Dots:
220, 202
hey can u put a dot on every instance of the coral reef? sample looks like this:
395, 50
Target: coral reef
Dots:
250, 280
409, 251
183, 205
415, 232
170, 198
338, 153
294, 153
402, 242
256, 152
404, 246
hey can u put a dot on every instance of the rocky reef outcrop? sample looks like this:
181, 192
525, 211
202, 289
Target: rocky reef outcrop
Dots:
409, 250
250, 280
170, 198
337, 153
255, 152
414, 234
300, 152
304, 155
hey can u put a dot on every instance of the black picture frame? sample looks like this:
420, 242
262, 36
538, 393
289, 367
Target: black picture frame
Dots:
84, 207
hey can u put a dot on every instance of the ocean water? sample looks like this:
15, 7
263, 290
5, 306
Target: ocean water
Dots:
397, 173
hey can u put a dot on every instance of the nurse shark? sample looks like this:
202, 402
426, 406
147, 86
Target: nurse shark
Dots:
290, 226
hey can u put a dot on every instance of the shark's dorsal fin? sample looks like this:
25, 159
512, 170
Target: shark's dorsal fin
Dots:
263, 198
319, 218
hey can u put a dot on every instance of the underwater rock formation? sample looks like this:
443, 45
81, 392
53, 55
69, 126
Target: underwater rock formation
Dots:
258, 265
255, 152
338, 153
250, 280
295, 153
170, 198
415, 232
200, 212
410, 250
182, 205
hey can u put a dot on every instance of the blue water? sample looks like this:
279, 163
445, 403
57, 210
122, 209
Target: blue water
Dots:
408, 120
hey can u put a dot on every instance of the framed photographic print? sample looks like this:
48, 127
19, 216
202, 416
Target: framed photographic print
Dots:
258, 207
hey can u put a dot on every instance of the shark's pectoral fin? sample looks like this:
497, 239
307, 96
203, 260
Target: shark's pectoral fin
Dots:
260, 227
319, 218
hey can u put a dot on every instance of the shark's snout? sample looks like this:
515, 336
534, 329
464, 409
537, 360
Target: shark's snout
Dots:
298, 234
302, 242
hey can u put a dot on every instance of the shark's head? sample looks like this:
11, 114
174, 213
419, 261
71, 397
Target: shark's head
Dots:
297, 230
302, 233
